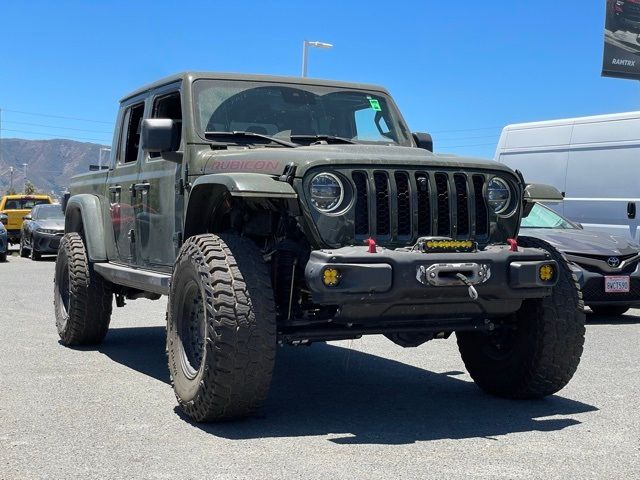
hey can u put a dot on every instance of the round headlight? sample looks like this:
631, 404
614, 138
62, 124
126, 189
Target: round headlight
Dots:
498, 195
327, 192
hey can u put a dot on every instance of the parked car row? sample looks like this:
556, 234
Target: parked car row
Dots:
32, 221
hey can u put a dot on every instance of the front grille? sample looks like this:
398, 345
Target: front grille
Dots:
400, 205
593, 290
383, 219
362, 200
404, 203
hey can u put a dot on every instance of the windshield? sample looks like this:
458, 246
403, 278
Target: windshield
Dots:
25, 203
283, 111
543, 217
47, 212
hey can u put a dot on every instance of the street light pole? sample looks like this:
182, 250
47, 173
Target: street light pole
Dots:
305, 47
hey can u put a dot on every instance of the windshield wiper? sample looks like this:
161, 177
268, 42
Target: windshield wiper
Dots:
326, 138
243, 134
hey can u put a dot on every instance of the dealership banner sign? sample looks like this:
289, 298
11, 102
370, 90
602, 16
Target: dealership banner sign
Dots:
622, 39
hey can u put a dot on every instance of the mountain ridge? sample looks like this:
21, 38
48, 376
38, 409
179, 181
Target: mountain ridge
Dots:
50, 163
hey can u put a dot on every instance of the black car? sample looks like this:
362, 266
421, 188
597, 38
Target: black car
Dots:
41, 232
607, 266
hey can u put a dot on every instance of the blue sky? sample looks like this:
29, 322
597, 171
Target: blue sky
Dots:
460, 70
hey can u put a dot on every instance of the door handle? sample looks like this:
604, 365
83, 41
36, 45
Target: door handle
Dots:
114, 193
138, 187
631, 210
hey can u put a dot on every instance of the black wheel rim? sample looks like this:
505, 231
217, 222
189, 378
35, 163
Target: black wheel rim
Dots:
191, 329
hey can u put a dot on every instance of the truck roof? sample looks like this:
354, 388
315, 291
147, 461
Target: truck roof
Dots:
190, 76
18, 196
573, 121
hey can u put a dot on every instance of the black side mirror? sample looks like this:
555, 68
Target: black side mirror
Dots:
423, 140
66, 195
160, 135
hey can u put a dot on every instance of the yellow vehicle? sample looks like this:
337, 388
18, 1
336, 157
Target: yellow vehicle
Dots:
16, 207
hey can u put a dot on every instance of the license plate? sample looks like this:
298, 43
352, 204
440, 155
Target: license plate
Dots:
616, 284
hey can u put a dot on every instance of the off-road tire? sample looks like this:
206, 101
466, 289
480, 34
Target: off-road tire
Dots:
82, 298
221, 328
540, 356
609, 310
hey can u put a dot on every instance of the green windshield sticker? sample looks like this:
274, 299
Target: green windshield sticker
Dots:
375, 104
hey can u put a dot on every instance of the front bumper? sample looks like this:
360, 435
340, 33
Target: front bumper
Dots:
395, 284
592, 286
13, 236
46, 243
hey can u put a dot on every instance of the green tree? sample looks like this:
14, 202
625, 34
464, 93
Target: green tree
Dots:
29, 188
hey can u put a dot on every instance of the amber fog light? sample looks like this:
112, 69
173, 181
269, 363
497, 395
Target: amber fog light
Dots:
546, 272
331, 277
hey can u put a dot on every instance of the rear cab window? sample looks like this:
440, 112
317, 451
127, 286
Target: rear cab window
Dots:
24, 203
129, 145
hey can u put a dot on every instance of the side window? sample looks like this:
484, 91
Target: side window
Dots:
130, 140
167, 106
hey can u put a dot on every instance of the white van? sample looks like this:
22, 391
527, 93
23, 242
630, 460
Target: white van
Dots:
593, 161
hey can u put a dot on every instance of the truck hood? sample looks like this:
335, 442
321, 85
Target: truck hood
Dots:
272, 161
583, 242
52, 224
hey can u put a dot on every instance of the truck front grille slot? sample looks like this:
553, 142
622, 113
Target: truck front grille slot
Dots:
444, 210
404, 203
424, 204
398, 206
383, 217
462, 208
362, 204
482, 215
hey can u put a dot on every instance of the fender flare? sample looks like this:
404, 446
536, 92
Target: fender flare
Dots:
207, 191
244, 184
83, 214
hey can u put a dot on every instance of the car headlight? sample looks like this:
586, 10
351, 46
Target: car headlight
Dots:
498, 195
327, 192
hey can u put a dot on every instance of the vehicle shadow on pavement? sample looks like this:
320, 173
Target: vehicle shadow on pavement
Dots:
593, 319
359, 398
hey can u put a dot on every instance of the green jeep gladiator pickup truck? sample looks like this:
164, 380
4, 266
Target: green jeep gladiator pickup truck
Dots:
278, 211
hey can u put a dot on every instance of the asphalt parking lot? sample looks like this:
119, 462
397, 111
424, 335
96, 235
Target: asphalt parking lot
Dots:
361, 409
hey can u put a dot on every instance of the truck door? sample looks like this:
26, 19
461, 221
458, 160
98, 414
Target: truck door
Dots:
602, 176
121, 183
158, 226
602, 189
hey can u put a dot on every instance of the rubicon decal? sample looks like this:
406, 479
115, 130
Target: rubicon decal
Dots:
248, 165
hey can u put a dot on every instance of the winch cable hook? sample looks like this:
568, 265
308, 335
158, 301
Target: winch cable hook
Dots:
473, 293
